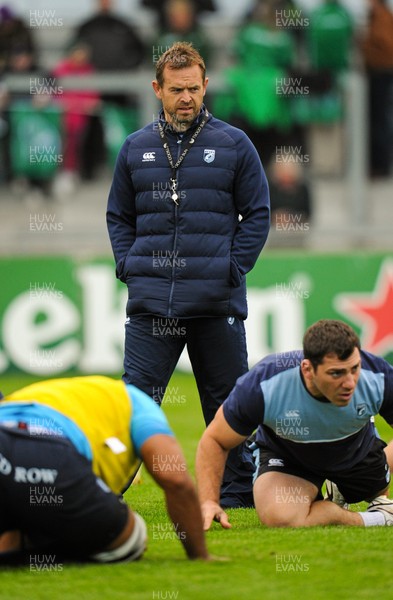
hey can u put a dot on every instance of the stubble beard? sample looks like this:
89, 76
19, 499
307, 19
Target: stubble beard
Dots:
182, 124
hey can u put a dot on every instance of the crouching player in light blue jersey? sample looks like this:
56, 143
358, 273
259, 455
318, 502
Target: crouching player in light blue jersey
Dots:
313, 410
68, 449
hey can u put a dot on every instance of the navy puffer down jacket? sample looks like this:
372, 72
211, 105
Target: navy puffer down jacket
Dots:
190, 259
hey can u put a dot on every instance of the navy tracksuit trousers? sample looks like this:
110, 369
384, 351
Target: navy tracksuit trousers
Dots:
218, 354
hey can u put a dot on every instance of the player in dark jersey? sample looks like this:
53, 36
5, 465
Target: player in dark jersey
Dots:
313, 411
68, 449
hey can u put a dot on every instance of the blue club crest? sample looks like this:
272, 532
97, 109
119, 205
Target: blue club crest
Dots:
361, 409
209, 155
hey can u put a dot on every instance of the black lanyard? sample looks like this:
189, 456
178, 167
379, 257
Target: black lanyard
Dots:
176, 165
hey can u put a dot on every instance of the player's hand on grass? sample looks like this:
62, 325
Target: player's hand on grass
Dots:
211, 511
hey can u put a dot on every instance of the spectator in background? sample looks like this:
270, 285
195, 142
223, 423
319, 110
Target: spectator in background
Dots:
4, 135
289, 193
17, 56
34, 146
114, 46
329, 37
114, 43
290, 201
182, 24
377, 49
160, 7
255, 99
329, 43
17, 47
78, 106
26, 121
261, 41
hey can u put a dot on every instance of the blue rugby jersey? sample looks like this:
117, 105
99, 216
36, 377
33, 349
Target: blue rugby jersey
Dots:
310, 431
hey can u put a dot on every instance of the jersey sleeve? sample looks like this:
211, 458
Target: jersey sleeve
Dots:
386, 410
243, 409
377, 364
147, 418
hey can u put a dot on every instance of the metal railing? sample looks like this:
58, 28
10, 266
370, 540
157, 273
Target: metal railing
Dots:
138, 83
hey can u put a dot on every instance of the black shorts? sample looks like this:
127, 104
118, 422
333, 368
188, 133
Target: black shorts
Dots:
49, 492
361, 482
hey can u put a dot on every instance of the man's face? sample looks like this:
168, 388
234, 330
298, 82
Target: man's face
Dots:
333, 379
181, 95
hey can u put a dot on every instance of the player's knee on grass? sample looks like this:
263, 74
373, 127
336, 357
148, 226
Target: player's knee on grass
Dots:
278, 519
272, 515
275, 511
129, 550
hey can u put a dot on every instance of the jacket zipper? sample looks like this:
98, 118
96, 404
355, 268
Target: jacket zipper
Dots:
176, 208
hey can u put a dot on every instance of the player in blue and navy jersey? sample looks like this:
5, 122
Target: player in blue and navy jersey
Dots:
68, 449
313, 415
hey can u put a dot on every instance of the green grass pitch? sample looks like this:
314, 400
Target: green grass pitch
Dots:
332, 563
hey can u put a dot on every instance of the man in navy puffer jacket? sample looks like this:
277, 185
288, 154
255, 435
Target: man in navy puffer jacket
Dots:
188, 215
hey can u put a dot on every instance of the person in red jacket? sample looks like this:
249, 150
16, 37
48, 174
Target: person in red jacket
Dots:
78, 105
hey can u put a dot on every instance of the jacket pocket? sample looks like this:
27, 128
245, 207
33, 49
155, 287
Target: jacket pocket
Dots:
120, 270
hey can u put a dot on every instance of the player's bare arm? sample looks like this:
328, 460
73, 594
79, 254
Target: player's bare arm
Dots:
212, 453
165, 462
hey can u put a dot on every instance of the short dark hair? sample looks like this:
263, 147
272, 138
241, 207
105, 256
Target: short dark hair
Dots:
329, 336
179, 56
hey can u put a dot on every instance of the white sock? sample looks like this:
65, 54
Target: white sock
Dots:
372, 518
